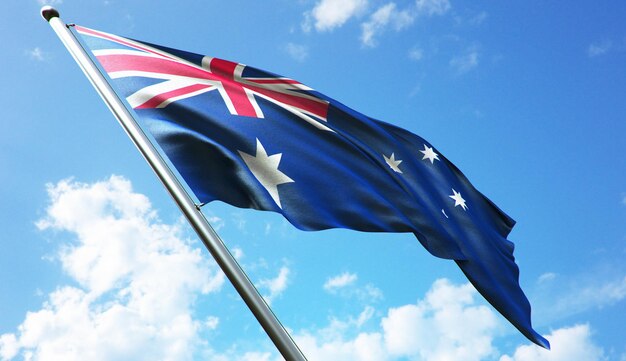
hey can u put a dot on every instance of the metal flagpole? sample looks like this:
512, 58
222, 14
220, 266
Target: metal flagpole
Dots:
277, 333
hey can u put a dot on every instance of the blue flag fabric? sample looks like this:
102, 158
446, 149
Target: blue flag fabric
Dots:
257, 140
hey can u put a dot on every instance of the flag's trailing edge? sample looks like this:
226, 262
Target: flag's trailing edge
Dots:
257, 140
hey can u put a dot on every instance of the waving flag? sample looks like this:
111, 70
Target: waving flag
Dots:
257, 140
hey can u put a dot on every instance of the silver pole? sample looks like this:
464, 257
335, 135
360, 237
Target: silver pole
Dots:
277, 333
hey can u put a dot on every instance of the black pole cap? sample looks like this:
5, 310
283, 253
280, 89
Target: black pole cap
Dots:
48, 12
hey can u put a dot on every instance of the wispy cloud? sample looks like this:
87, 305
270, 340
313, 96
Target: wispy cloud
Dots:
593, 296
275, 286
399, 19
416, 54
478, 18
558, 296
37, 54
216, 222
466, 62
340, 281
344, 285
327, 15
297, 52
384, 16
240, 221
546, 277
432, 7
599, 48
211, 322
472, 19
50, 2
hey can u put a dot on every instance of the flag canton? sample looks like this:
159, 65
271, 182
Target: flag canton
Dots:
178, 75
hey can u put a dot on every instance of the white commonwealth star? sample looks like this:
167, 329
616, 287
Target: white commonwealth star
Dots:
429, 154
265, 169
458, 200
393, 163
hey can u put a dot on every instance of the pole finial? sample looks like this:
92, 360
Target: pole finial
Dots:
48, 12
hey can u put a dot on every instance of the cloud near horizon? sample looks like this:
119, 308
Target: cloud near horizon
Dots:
127, 304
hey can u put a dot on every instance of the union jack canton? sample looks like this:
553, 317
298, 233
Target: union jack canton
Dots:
253, 139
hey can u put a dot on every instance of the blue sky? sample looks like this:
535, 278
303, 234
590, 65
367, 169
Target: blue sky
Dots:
527, 99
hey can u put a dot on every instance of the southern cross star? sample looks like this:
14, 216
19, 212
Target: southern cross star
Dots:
393, 163
458, 200
265, 168
429, 154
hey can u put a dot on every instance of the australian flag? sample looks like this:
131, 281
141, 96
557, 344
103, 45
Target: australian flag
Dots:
258, 140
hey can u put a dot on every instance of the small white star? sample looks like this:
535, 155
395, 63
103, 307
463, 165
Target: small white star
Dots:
393, 163
458, 200
429, 154
265, 169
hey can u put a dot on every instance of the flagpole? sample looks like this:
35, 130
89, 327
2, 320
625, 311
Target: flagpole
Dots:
272, 326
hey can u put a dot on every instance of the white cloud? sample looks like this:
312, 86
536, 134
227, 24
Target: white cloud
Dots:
240, 221
546, 277
299, 53
466, 62
568, 344
624, 200
340, 281
389, 15
416, 54
37, 54
432, 7
426, 330
330, 14
478, 18
50, 2
364, 347
237, 253
211, 322
345, 285
385, 15
430, 329
557, 296
370, 293
129, 304
583, 297
9, 346
276, 286
599, 48
216, 222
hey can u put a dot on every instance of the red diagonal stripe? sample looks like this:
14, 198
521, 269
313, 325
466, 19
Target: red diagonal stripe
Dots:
316, 107
126, 62
160, 98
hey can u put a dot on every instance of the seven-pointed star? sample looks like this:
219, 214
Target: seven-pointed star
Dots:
265, 169
393, 163
430, 154
458, 200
